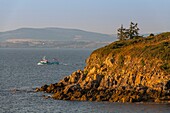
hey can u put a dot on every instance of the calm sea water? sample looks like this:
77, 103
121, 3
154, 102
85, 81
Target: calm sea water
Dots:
19, 76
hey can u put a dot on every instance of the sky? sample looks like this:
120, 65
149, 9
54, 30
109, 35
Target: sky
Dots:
102, 16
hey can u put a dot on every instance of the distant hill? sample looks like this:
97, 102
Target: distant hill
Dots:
56, 34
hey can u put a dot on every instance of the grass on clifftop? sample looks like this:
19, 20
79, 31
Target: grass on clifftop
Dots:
151, 47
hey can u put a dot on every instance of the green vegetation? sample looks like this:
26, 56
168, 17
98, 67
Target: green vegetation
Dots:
121, 60
130, 33
143, 62
165, 67
151, 34
153, 49
159, 51
122, 35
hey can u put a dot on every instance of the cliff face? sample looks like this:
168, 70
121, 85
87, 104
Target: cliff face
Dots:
134, 62
124, 71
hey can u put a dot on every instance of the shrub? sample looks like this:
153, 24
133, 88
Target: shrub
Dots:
121, 60
165, 67
142, 62
151, 34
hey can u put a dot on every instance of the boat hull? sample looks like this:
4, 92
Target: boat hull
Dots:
49, 63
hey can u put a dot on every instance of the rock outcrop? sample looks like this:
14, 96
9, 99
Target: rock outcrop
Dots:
135, 70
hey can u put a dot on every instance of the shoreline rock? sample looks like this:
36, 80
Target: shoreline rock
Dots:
92, 91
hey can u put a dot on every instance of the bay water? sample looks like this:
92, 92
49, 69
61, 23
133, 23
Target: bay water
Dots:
20, 75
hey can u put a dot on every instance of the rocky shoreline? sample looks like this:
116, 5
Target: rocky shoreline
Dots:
124, 71
70, 88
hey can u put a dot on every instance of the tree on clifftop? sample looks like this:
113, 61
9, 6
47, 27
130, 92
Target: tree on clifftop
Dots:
122, 35
130, 33
133, 30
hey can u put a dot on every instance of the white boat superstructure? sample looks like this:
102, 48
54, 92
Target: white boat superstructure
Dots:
44, 61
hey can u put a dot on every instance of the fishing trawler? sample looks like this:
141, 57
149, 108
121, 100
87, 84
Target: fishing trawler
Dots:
44, 61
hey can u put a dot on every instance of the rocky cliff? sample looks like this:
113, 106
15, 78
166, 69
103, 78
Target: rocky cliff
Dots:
135, 70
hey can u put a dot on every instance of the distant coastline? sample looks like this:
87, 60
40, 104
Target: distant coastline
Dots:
29, 43
53, 38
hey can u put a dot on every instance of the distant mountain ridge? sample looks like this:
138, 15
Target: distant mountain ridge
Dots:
56, 34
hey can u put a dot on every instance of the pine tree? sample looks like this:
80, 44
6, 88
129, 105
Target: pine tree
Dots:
130, 33
133, 30
121, 33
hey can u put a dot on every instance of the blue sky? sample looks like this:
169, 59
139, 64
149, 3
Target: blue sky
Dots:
103, 16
